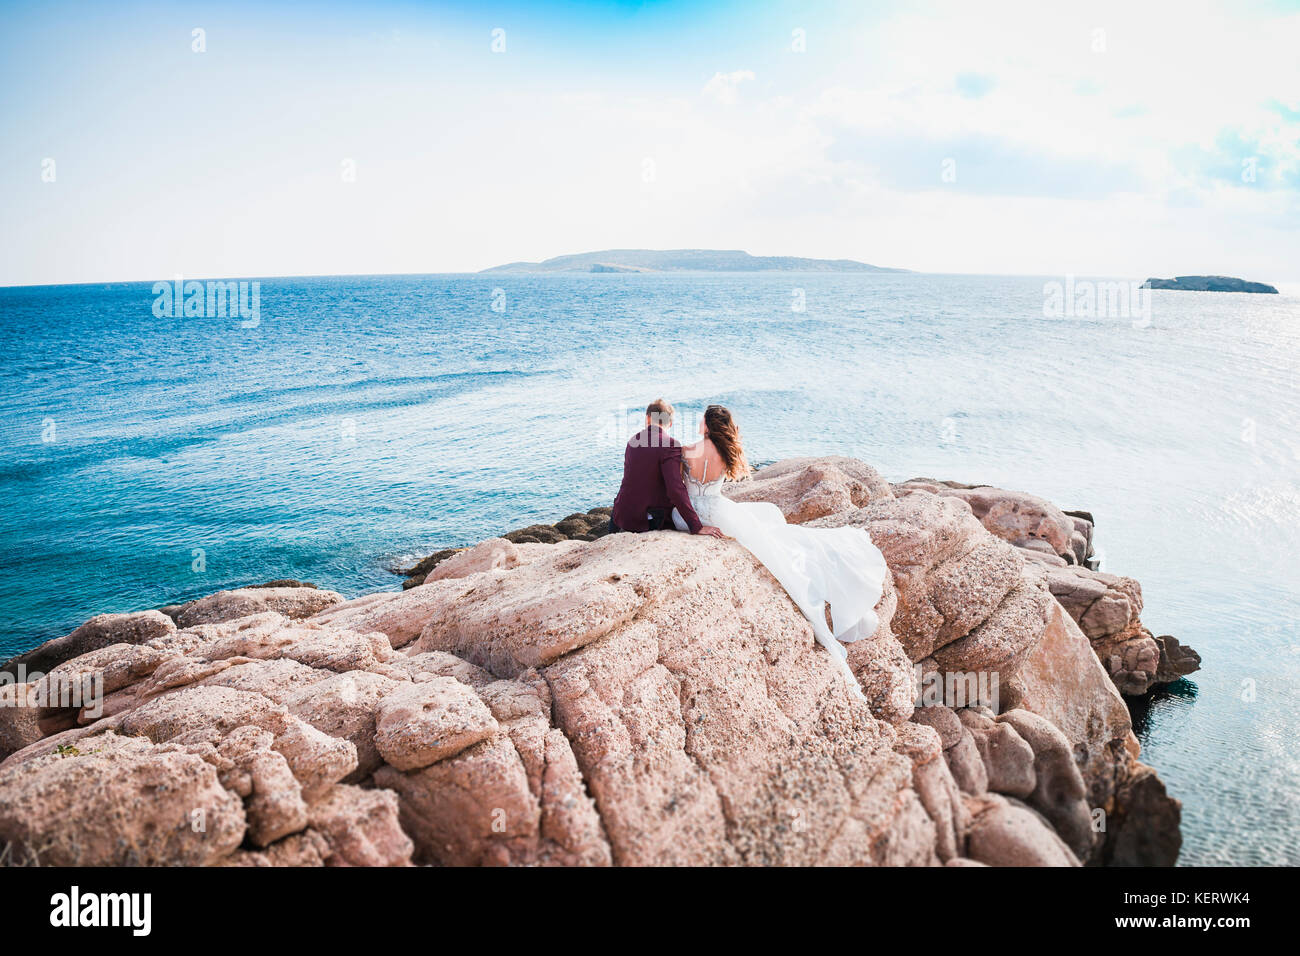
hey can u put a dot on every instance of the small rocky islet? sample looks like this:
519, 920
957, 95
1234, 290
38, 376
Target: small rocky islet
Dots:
1209, 284
561, 696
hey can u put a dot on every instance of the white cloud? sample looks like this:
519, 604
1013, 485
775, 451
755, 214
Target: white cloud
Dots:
725, 87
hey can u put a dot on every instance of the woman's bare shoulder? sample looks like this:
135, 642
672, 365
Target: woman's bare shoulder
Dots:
709, 452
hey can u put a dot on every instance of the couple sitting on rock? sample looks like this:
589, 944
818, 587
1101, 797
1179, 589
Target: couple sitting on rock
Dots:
667, 483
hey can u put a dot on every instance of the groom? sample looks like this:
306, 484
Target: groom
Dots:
652, 479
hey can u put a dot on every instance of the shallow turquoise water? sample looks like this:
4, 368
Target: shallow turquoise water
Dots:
369, 420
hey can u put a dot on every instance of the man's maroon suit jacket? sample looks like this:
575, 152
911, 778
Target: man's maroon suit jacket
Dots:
652, 478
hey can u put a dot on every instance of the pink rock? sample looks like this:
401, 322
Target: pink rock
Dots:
273, 801
243, 602
421, 665
551, 607
99, 632
882, 667
716, 701
310, 643
513, 798
570, 830
1013, 516
1132, 661
418, 724
400, 616
1102, 604
999, 645
117, 801
307, 848
472, 809
494, 554
944, 721
209, 714
1107, 608
1063, 681
808, 488
950, 574
1059, 793
177, 671
280, 680
936, 787
75, 691
1002, 834
967, 765
19, 727
1007, 759
345, 706
361, 827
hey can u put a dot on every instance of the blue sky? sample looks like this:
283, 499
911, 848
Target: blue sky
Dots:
311, 138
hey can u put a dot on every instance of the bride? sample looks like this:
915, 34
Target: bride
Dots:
839, 567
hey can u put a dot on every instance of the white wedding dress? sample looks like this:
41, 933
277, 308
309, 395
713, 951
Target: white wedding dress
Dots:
816, 566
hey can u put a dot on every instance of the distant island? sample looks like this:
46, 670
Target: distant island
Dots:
1209, 284
686, 260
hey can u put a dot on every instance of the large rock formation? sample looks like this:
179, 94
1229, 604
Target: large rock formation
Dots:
1105, 606
626, 699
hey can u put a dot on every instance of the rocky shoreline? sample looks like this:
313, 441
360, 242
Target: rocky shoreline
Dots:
561, 697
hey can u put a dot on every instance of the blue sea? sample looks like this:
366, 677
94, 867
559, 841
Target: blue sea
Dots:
366, 421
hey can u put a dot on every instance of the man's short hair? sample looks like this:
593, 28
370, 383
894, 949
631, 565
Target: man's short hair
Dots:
659, 412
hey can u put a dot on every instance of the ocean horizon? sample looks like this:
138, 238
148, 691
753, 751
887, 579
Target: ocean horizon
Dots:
1287, 288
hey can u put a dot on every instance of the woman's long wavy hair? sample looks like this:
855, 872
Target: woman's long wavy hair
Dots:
722, 431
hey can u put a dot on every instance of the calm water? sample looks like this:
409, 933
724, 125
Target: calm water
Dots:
367, 421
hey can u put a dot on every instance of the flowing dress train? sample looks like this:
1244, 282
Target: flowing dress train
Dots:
816, 566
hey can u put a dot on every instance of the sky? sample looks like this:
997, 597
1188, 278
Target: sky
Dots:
143, 140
